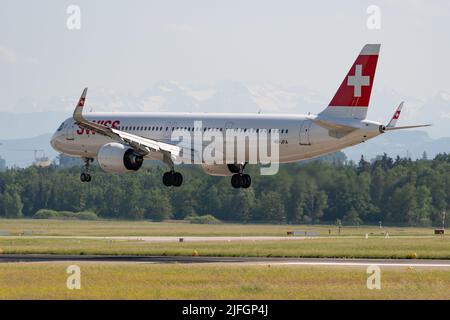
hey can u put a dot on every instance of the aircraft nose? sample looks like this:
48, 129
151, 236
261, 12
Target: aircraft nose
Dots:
55, 140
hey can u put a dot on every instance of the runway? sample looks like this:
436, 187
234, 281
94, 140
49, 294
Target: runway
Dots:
417, 263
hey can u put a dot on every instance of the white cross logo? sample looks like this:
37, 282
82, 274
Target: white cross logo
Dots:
358, 80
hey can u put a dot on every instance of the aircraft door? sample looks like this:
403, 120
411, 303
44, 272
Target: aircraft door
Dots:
304, 132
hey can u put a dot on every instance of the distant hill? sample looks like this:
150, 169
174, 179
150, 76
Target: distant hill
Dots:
19, 152
224, 96
404, 143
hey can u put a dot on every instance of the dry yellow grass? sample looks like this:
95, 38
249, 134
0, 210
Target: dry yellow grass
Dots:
147, 281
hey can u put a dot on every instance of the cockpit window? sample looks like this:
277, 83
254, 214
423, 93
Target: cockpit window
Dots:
60, 127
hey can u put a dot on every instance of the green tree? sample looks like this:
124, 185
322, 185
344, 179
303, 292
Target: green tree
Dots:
270, 208
242, 203
352, 217
11, 205
157, 206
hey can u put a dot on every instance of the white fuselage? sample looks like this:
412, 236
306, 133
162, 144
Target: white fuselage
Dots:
299, 136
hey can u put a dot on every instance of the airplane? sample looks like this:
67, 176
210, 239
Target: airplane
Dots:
121, 141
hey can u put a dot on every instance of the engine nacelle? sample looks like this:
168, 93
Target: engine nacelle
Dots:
117, 158
220, 169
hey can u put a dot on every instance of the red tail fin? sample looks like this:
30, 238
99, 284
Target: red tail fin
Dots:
353, 96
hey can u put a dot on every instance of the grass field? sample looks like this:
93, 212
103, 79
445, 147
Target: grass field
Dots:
146, 281
215, 281
146, 228
426, 248
403, 242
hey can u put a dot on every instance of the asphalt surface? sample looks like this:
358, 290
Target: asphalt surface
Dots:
9, 258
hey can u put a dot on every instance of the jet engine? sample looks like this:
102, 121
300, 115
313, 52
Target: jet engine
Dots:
117, 158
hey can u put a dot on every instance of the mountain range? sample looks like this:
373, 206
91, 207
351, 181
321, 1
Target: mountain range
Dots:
19, 152
38, 118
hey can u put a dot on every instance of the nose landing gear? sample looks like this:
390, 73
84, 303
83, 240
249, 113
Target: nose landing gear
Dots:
85, 176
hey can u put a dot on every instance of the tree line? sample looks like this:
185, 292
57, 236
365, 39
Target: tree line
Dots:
395, 191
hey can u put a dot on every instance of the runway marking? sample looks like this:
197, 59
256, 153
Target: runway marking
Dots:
365, 264
34, 258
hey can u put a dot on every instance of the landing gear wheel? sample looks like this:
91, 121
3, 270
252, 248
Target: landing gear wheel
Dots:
241, 181
172, 178
246, 181
85, 177
236, 180
167, 179
177, 179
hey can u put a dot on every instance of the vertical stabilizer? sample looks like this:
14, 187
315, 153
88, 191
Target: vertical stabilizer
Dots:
353, 95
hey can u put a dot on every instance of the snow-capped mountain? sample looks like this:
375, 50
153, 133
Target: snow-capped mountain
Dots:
226, 96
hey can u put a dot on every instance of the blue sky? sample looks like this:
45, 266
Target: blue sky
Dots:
130, 45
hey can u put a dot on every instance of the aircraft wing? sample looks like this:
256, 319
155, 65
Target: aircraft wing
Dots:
142, 145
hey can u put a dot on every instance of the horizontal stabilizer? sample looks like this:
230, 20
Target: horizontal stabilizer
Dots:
407, 127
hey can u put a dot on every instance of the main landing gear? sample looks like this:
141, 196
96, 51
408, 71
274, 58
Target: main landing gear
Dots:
85, 176
239, 179
172, 178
